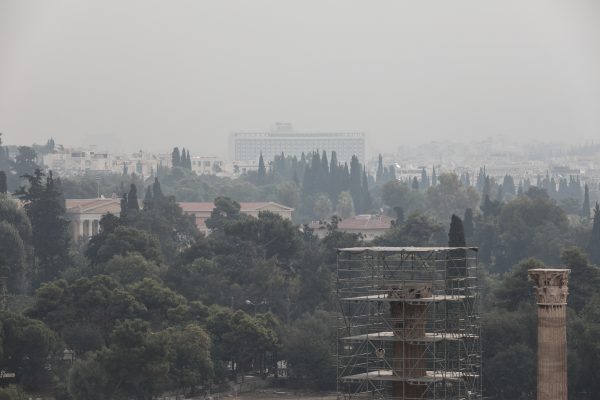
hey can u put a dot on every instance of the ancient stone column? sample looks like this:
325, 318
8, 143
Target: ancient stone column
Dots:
409, 319
551, 289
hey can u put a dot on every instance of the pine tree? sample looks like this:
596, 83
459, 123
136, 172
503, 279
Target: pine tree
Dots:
468, 223
176, 157
262, 170
45, 207
594, 246
585, 211
3, 183
132, 199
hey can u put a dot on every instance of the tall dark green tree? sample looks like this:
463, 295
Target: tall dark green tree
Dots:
156, 190
50, 235
456, 266
379, 174
262, 170
585, 209
415, 184
468, 223
594, 246
132, 198
176, 157
4, 184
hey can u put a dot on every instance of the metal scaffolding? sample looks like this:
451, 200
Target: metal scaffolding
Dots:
409, 325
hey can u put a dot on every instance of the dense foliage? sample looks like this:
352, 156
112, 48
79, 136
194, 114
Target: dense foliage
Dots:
149, 305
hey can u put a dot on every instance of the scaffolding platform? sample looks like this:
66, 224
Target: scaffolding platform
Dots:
409, 323
429, 377
428, 338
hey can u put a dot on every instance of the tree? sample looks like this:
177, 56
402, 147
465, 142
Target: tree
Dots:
24, 163
132, 199
322, 207
27, 347
308, 346
12, 258
3, 182
468, 223
189, 356
84, 312
46, 210
345, 205
449, 197
585, 210
379, 175
176, 157
137, 360
262, 171
457, 263
594, 246
123, 241
88, 380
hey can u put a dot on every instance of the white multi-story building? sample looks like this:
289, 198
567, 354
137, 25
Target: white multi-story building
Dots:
248, 146
78, 161
208, 165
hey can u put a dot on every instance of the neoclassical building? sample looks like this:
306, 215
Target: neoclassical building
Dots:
85, 214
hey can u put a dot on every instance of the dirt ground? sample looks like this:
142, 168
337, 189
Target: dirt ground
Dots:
285, 395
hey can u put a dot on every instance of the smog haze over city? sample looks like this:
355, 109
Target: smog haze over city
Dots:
299, 199
141, 74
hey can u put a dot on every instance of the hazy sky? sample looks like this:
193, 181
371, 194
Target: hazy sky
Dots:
154, 74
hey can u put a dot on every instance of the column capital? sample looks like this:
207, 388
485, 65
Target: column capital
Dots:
551, 285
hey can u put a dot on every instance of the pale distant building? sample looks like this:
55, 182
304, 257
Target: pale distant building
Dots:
367, 225
208, 165
248, 146
202, 211
85, 214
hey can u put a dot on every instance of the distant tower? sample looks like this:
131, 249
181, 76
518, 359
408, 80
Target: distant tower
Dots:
551, 289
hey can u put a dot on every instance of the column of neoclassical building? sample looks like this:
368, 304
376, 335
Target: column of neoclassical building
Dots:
551, 289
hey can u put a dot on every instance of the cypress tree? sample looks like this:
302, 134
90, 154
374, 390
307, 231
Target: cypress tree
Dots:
176, 157
468, 223
457, 264
585, 211
124, 205
148, 198
594, 246
262, 170
132, 199
156, 190
356, 184
392, 173
424, 179
183, 161
3, 184
379, 175
365, 192
415, 183
456, 235
433, 178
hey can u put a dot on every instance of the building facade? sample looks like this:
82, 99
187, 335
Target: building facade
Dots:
85, 214
248, 146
